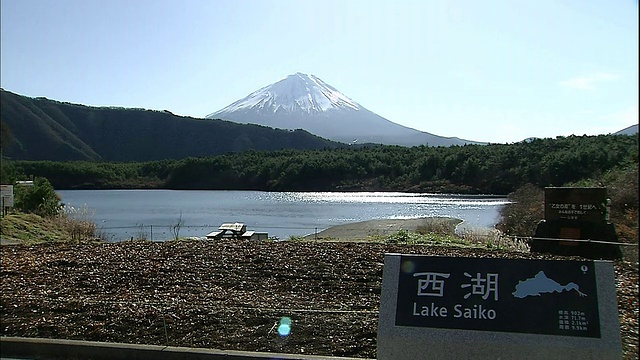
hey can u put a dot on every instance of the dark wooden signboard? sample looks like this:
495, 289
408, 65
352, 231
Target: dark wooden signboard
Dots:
503, 295
581, 204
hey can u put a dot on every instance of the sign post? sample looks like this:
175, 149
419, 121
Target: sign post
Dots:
453, 308
6, 197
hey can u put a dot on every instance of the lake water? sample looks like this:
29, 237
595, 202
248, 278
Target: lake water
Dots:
122, 214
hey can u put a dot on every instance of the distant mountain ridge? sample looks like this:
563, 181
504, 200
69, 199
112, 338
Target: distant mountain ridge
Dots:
302, 101
631, 130
43, 129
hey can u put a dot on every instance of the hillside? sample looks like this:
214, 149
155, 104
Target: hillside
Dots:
43, 129
488, 169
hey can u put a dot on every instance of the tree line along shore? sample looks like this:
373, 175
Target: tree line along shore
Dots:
470, 169
521, 170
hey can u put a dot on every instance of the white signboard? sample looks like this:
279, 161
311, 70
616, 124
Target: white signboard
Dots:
6, 192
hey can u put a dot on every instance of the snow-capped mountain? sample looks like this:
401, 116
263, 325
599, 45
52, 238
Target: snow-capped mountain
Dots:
304, 94
302, 101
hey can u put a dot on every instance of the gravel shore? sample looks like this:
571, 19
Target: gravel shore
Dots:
360, 231
225, 295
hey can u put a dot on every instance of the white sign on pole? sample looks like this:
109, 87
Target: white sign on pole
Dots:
6, 193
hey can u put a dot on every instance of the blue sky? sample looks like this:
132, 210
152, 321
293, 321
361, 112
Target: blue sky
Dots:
497, 71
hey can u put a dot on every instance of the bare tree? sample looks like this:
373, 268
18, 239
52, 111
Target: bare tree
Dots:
175, 229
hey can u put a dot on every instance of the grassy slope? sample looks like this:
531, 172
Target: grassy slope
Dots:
31, 228
34, 229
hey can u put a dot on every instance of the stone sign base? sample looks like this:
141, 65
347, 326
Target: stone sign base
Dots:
424, 342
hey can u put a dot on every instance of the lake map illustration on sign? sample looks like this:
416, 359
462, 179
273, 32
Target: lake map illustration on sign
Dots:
541, 284
507, 295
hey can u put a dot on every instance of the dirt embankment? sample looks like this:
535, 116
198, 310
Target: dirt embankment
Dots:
226, 295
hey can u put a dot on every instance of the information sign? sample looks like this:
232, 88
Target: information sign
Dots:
6, 193
507, 295
453, 308
584, 204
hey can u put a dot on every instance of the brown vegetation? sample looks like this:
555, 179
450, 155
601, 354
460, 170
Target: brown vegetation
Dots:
521, 217
70, 226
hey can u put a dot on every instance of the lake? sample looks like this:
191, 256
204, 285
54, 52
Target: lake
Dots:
150, 214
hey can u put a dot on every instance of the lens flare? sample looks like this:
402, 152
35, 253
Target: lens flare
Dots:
285, 326
284, 330
407, 266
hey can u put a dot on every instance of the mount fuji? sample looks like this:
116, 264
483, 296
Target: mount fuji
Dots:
302, 101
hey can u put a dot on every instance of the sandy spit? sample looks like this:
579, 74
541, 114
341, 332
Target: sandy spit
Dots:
362, 230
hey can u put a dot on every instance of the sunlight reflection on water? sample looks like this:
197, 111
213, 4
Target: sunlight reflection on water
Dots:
390, 197
125, 213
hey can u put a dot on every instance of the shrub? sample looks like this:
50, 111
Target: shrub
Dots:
521, 216
40, 199
77, 222
400, 237
622, 189
438, 226
494, 240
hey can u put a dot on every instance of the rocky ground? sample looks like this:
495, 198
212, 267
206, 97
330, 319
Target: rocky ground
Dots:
227, 295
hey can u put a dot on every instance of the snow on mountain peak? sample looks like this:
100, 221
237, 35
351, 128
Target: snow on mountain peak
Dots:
295, 93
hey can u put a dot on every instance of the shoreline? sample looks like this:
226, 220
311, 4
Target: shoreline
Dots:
380, 227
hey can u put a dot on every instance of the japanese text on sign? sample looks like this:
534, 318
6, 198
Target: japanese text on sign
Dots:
529, 296
433, 284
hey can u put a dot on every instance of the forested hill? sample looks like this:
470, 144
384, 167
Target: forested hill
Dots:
489, 169
43, 129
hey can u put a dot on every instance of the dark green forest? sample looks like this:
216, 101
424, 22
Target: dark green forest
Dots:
469, 169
